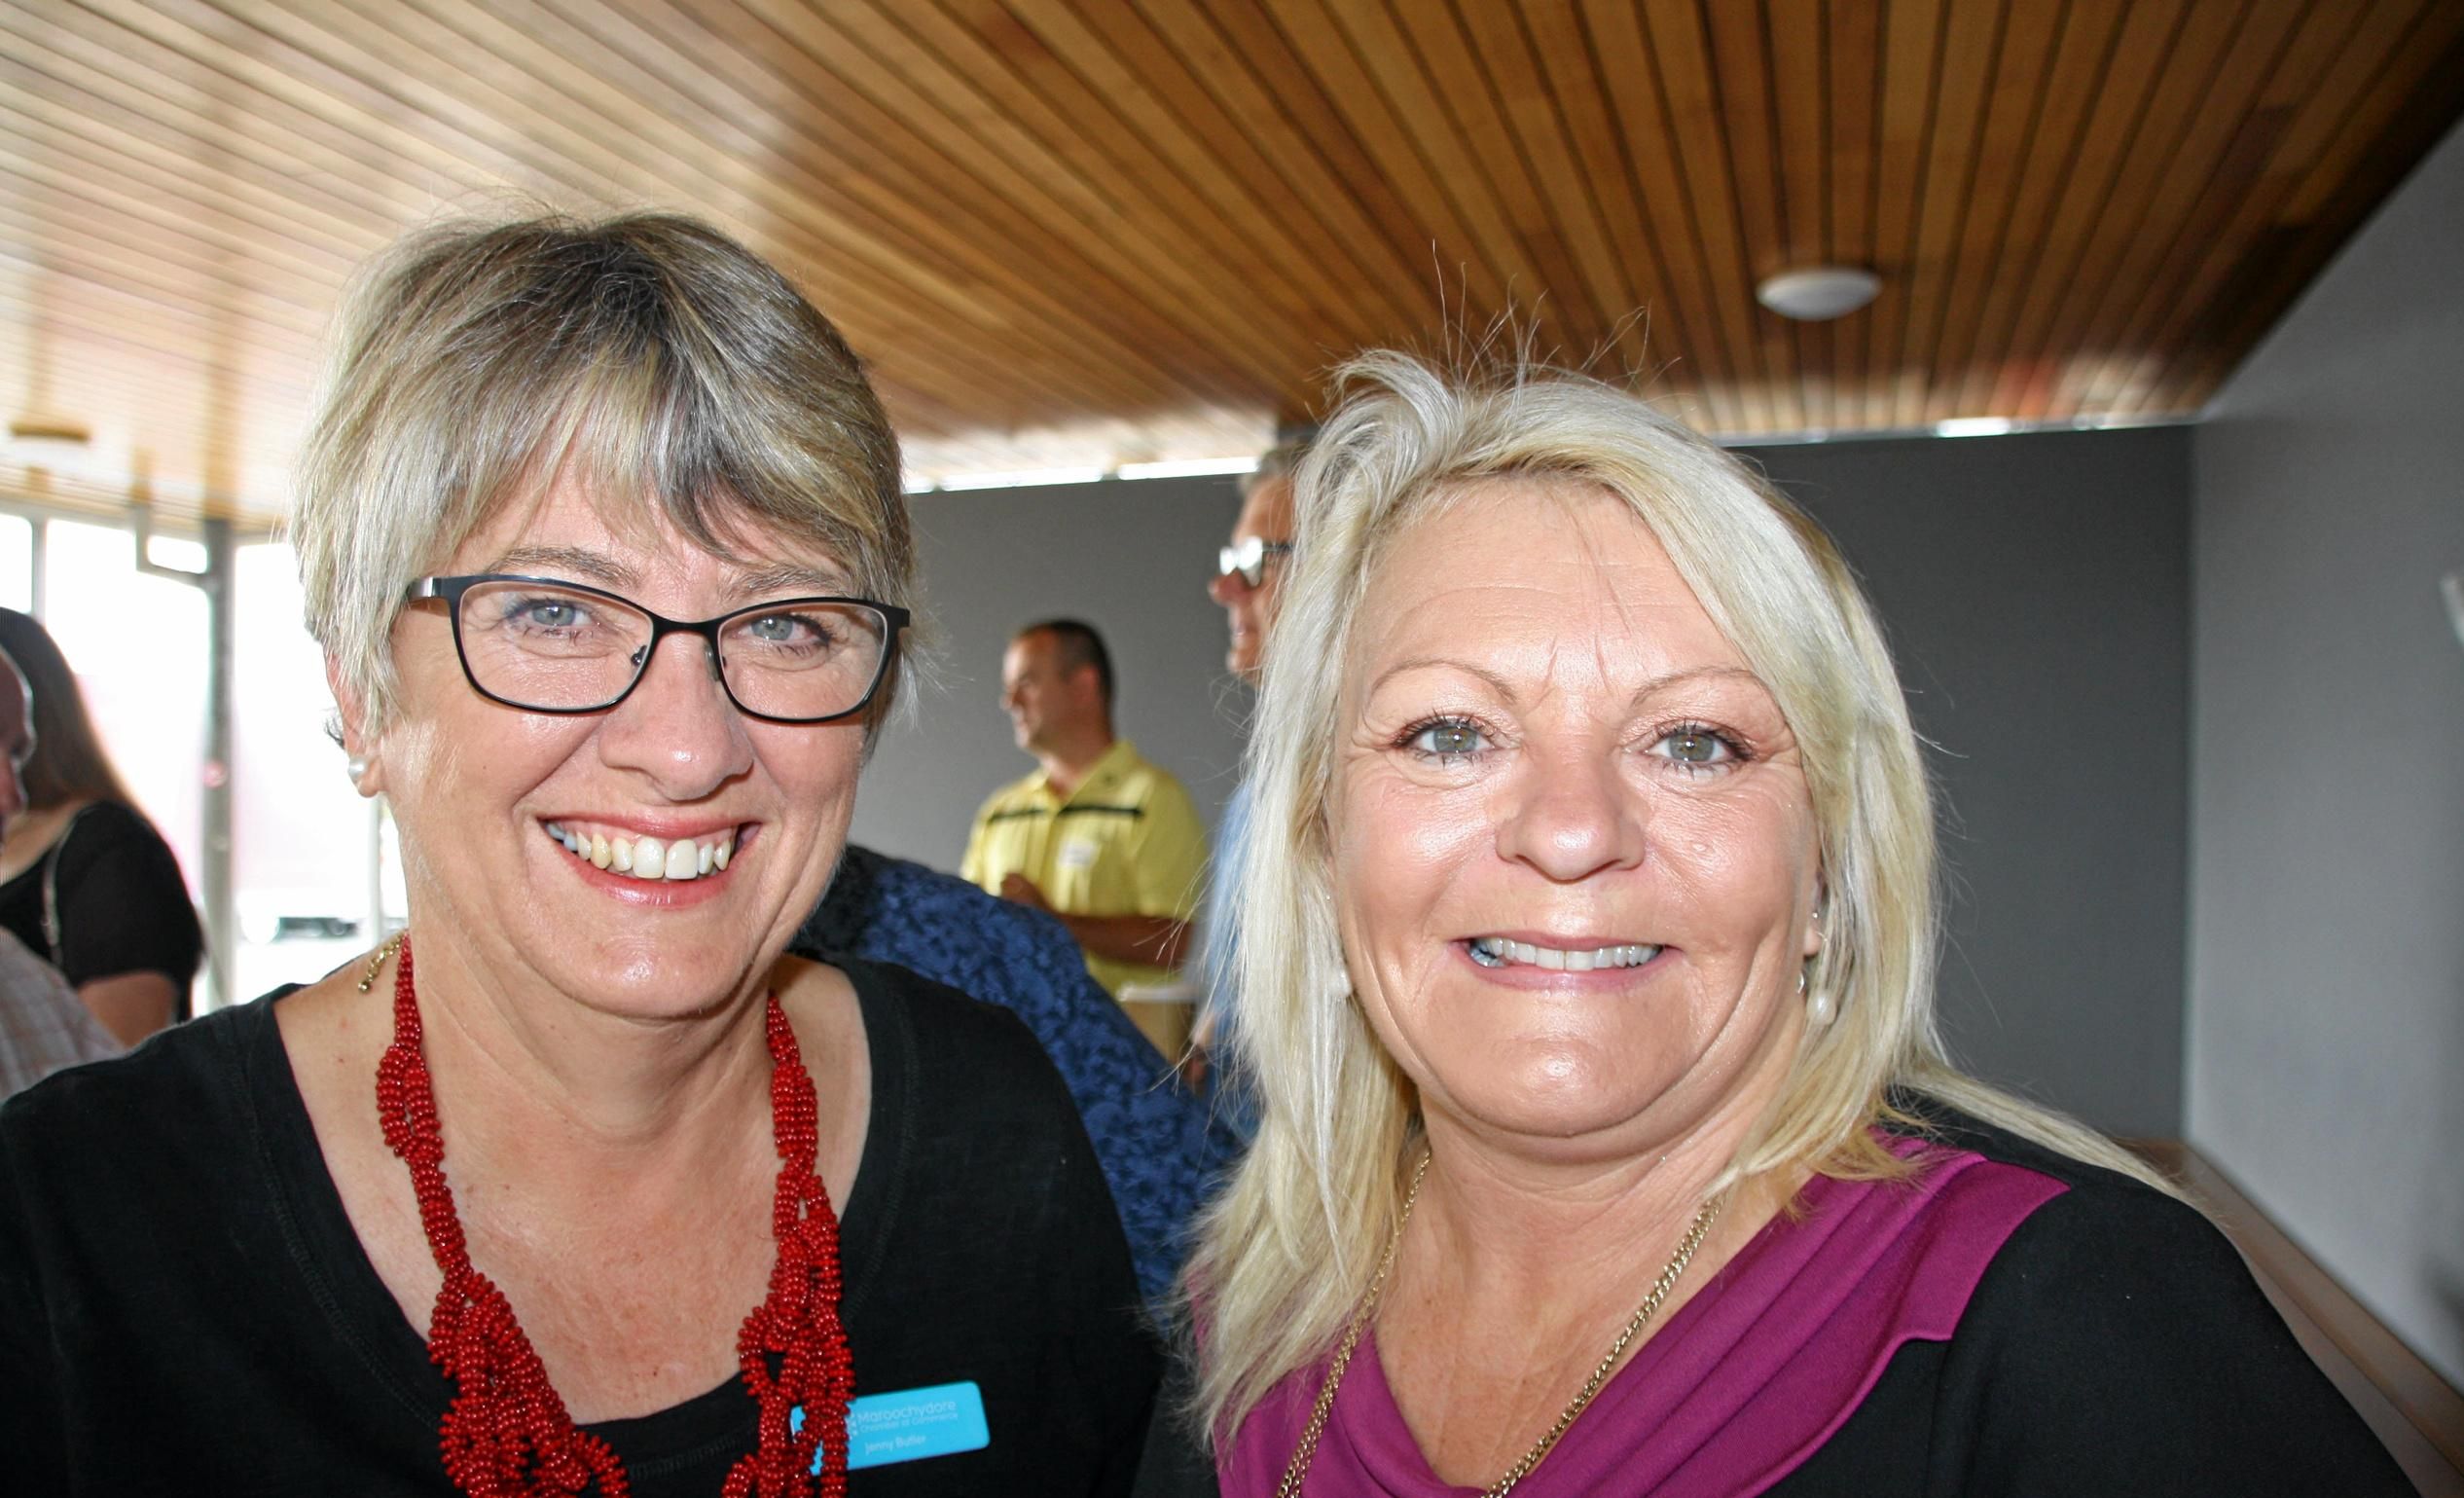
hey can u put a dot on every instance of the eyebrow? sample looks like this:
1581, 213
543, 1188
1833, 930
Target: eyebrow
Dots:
786, 576
778, 577
567, 558
1505, 689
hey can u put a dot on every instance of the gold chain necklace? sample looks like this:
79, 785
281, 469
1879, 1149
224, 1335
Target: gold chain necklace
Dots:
1307, 1450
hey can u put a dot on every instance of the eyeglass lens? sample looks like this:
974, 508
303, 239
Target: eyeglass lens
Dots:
538, 646
1248, 557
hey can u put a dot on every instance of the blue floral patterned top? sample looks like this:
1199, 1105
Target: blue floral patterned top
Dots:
1160, 1149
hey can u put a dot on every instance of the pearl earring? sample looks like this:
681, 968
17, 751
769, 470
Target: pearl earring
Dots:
1820, 1007
356, 766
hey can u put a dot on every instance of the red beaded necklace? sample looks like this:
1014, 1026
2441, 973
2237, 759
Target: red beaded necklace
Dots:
507, 1435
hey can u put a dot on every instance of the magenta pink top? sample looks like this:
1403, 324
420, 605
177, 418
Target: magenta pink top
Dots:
1743, 1383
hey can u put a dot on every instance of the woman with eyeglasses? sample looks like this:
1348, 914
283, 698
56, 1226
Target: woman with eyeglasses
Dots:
580, 1185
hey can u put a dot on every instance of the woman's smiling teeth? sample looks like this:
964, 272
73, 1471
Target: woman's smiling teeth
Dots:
1498, 952
648, 857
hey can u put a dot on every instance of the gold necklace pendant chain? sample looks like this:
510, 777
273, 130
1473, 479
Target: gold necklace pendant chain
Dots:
377, 960
1306, 1450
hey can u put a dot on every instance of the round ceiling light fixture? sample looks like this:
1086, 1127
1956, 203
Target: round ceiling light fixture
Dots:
1819, 293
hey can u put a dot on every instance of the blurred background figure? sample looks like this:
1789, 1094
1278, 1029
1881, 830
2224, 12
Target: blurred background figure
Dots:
1249, 573
43, 1028
86, 882
1097, 835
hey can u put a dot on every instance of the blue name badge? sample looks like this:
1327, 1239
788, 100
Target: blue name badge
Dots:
910, 1425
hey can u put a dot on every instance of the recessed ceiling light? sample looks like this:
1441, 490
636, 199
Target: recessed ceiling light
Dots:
1973, 426
1819, 293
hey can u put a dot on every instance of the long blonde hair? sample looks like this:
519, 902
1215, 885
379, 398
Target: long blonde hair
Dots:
1287, 1250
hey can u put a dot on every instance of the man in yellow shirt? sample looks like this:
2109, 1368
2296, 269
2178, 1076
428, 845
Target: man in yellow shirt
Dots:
1097, 835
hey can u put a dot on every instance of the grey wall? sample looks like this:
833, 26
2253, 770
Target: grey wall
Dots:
1133, 560
2036, 590
2327, 829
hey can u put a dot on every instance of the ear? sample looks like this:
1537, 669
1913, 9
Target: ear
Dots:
351, 716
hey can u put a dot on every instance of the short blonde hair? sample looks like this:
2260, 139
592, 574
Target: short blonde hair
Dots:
1287, 1251
646, 355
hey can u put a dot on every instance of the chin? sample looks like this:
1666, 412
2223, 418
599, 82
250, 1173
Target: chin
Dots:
1558, 1093
659, 975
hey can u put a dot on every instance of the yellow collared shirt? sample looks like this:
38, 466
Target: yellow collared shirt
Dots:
1127, 841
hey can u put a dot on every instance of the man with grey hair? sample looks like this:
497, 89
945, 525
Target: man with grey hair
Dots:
44, 1026
1248, 584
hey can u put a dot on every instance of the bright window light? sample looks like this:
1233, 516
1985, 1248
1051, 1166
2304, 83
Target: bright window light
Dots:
1022, 479
1189, 467
1973, 426
176, 553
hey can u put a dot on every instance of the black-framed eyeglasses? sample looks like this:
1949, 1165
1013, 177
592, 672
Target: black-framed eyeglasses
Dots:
1249, 558
547, 645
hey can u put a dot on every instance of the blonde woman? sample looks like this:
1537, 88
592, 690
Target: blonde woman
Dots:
1586, 956
581, 1185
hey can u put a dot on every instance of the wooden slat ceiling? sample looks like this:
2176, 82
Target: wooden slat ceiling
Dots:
1093, 232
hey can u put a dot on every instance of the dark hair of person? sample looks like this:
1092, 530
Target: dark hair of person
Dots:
1078, 644
68, 763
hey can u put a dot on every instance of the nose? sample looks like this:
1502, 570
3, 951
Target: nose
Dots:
1570, 817
678, 727
1227, 588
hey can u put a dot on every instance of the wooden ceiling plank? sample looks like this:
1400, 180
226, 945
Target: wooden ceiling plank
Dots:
1118, 51
1911, 41
1680, 55
848, 136
2411, 56
1700, 368
2016, 115
2090, 32
930, 45
2236, 195
1855, 91
2389, 124
1344, 79
1309, 146
1595, 168
81, 167
110, 62
239, 183
1159, 289
79, 215
659, 147
1796, 35
1366, 31
1513, 155
265, 62
1308, 103
1166, 183
146, 151
2371, 63
1737, 38
156, 336
2224, 57
2153, 33
2222, 150
103, 253
1970, 43
866, 55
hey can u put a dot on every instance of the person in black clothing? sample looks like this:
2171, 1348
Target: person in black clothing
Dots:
600, 528
86, 882
1585, 974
